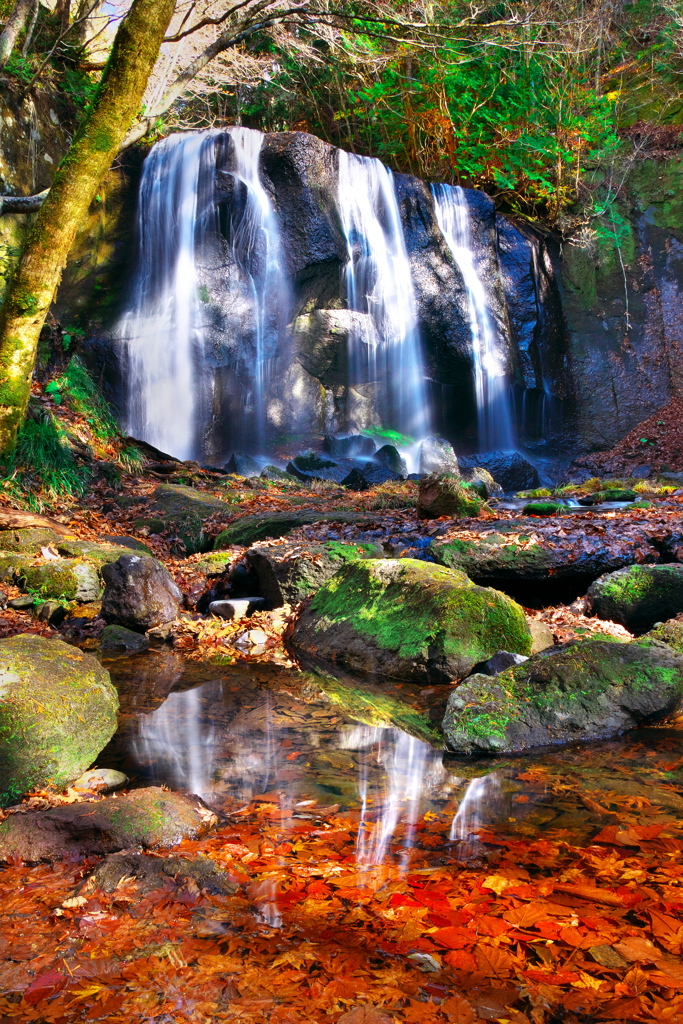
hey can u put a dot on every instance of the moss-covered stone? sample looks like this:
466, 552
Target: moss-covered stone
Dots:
543, 508
587, 690
99, 553
444, 495
29, 541
11, 564
409, 619
287, 575
150, 818
270, 525
670, 633
67, 579
615, 494
57, 711
638, 596
183, 510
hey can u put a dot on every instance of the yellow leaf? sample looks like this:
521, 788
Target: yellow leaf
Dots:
587, 981
495, 882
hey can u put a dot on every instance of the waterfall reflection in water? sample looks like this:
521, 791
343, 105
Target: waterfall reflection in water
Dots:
384, 346
490, 370
232, 753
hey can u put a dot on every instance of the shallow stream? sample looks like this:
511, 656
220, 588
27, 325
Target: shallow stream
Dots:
241, 733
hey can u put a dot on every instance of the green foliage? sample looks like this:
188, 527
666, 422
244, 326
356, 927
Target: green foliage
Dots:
78, 86
43, 465
389, 437
77, 389
20, 68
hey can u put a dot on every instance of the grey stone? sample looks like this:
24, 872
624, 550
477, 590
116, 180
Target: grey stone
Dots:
236, 608
21, 604
353, 446
69, 579
438, 456
100, 780
243, 465
509, 469
140, 593
118, 638
288, 575
388, 457
51, 612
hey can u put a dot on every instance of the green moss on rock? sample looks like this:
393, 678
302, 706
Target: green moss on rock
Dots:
586, 690
29, 541
445, 495
543, 508
57, 711
409, 619
670, 633
638, 596
270, 525
68, 579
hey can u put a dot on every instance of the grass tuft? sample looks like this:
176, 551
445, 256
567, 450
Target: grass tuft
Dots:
43, 466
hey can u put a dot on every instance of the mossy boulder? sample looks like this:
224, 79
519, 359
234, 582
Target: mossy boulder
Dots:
57, 711
444, 495
68, 579
183, 510
11, 564
100, 552
118, 639
147, 818
30, 540
287, 575
638, 596
249, 530
407, 619
587, 690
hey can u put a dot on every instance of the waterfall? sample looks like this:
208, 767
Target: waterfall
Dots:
209, 300
490, 372
256, 250
159, 332
384, 347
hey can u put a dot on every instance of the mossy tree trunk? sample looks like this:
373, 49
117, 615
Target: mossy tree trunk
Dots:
75, 186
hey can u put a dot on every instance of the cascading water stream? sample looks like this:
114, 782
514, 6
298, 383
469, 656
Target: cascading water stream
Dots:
494, 412
257, 253
166, 333
384, 346
160, 330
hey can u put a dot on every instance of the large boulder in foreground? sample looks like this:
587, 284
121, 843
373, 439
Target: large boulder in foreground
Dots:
139, 593
408, 619
587, 690
57, 712
638, 596
146, 818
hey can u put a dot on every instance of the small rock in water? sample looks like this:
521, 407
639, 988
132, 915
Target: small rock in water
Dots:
100, 780
237, 608
242, 465
498, 663
118, 638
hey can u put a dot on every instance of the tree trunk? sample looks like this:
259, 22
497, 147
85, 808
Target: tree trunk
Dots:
10, 34
75, 185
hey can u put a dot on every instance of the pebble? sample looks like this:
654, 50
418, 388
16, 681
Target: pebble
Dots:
100, 780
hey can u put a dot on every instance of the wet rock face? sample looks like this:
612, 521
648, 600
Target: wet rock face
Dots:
139, 593
509, 469
148, 818
57, 712
587, 690
638, 596
407, 619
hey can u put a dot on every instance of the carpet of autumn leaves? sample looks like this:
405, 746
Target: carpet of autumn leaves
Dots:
523, 928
